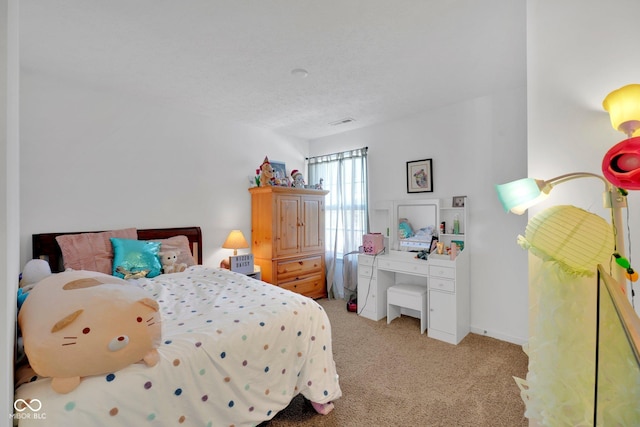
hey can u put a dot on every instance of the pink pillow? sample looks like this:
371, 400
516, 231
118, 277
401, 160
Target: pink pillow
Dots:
91, 251
178, 244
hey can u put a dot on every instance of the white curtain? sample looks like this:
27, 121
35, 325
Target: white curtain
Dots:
346, 212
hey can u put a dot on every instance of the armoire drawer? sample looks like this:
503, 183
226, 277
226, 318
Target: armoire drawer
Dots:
298, 268
313, 287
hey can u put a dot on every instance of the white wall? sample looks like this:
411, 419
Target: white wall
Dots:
92, 159
578, 51
474, 145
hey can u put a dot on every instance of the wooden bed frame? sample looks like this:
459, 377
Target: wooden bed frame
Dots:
46, 247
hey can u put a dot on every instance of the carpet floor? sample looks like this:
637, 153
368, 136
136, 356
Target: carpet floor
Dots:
391, 375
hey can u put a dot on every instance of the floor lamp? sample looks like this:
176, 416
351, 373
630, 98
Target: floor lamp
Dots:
546, 381
620, 166
518, 196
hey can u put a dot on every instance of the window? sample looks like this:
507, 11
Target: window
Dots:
346, 206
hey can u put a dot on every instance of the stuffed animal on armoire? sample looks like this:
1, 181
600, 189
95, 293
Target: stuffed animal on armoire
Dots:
298, 179
80, 323
266, 173
169, 262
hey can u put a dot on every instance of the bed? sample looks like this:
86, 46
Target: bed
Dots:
234, 352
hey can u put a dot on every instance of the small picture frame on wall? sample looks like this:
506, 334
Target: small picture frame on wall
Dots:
279, 171
458, 201
420, 176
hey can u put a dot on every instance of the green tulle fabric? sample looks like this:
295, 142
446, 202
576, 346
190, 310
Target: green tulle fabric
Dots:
568, 269
565, 244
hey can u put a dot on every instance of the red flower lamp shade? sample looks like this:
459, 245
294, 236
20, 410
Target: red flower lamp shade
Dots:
621, 164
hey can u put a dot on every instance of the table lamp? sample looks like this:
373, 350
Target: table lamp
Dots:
235, 240
240, 263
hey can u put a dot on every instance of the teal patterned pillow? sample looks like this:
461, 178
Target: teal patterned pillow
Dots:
132, 256
404, 229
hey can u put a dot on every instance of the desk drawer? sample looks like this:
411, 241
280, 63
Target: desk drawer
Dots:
442, 284
299, 268
366, 260
366, 271
439, 271
417, 267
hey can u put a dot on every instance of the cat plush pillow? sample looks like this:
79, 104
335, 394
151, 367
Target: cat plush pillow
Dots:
80, 323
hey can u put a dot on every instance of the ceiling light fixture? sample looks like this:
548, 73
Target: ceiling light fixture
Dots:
299, 72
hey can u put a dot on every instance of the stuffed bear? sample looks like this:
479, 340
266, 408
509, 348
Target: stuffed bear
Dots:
169, 265
80, 323
266, 173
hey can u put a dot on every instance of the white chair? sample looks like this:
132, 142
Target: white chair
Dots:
408, 296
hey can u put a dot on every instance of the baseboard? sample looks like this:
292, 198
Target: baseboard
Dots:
498, 336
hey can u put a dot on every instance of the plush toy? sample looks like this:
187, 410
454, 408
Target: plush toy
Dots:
80, 323
266, 173
34, 271
169, 262
298, 179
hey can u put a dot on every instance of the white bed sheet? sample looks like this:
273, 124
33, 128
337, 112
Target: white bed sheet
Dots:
234, 351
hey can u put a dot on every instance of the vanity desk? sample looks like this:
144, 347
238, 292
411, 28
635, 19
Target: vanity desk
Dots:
446, 281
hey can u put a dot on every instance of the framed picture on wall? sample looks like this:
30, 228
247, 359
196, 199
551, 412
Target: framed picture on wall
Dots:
279, 170
420, 176
458, 201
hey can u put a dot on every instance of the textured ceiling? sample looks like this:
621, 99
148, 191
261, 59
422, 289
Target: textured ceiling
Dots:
370, 60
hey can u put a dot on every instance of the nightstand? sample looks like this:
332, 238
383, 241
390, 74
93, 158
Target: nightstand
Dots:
256, 273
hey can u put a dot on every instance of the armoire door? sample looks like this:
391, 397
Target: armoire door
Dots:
312, 224
288, 225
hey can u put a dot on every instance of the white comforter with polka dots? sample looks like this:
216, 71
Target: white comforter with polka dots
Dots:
234, 352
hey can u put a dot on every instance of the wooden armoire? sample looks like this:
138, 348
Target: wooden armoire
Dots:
287, 238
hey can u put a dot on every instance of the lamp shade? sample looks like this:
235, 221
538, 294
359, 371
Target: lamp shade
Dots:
623, 106
235, 240
518, 196
621, 164
576, 240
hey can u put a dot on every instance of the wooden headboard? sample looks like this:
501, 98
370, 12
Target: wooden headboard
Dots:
46, 247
